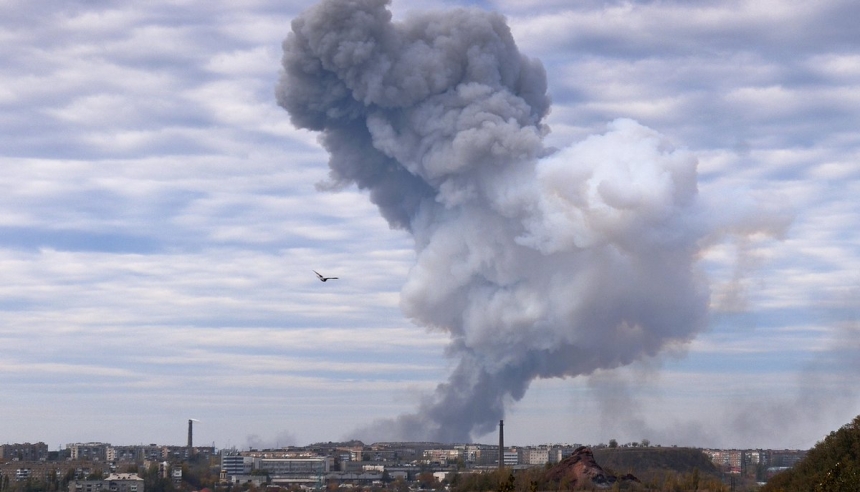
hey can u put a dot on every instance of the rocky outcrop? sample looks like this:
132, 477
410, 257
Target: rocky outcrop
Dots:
580, 469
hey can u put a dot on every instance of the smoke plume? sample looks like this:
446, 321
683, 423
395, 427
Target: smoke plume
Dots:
538, 263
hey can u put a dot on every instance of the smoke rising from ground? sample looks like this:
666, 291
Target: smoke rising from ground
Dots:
538, 263
281, 439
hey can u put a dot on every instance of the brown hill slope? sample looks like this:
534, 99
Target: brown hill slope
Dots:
664, 469
640, 461
580, 469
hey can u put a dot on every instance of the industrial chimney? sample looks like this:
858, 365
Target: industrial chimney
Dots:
501, 444
190, 434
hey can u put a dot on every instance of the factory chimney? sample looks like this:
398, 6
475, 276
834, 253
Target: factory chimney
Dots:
190, 440
501, 444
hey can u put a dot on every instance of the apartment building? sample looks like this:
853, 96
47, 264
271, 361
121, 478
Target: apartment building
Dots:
479, 454
115, 482
91, 451
535, 456
785, 457
747, 461
24, 452
442, 456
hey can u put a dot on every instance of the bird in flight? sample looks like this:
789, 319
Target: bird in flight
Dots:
323, 279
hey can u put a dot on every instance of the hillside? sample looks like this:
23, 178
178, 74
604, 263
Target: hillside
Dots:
634, 469
641, 461
833, 465
581, 469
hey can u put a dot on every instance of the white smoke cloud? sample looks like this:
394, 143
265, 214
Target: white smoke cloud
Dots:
538, 263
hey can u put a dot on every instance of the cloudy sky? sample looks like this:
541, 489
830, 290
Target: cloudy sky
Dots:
160, 220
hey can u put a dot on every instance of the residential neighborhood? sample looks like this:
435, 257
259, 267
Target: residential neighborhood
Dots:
104, 467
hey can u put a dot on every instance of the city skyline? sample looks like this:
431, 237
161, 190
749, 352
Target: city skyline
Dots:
161, 224
105, 451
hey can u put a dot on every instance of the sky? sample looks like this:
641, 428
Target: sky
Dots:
161, 217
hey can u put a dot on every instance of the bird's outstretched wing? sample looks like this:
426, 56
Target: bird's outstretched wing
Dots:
323, 279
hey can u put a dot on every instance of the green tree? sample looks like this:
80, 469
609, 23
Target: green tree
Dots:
154, 482
830, 466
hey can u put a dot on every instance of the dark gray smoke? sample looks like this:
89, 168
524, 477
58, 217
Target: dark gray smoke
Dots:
537, 263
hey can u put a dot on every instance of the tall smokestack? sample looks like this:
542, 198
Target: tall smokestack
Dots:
501, 444
190, 437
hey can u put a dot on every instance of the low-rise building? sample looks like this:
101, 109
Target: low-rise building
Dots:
234, 465
289, 471
442, 456
115, 482
176, 474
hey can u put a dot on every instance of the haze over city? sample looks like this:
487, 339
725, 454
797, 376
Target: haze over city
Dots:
606, 220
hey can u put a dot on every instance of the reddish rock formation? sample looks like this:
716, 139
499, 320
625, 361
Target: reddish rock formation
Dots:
580, 468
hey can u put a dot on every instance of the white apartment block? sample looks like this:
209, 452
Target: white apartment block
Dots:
535, 456
92, 451
443, 456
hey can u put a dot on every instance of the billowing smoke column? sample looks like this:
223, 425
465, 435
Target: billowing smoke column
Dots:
537, 263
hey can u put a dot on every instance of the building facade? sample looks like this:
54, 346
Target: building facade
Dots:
535, 456
234, 465
287, 471
91, 451
115, 482
442, 456
24, 452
